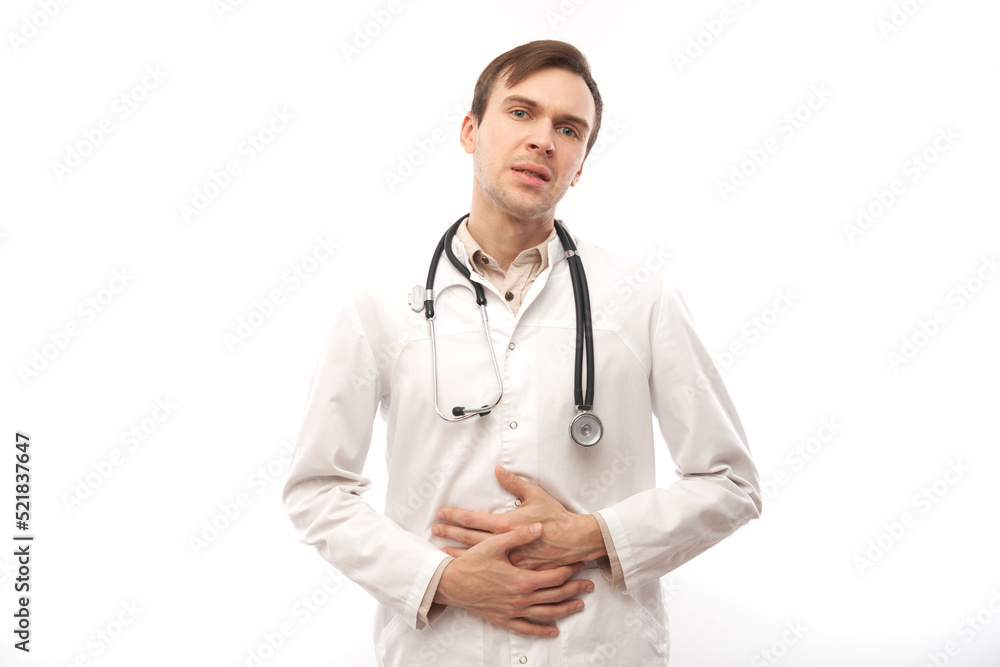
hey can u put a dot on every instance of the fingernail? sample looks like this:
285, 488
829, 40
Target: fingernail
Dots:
440, 514
536, 529
436, 530
503, 471
578, 606
590, 587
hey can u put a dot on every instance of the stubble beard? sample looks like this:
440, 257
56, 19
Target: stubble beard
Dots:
501, 197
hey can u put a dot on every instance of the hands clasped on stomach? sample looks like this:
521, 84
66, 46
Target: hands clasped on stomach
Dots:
518, 565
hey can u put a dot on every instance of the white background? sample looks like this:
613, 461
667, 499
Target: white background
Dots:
893, 77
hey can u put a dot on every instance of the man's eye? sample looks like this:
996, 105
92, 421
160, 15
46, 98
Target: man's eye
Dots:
519, 111
571, 130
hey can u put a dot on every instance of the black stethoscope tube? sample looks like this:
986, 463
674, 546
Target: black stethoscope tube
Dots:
586, 427
584, 330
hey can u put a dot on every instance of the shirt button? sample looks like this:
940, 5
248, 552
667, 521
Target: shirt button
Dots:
509, 296
510, 346
517, 502
513, 424
523, 659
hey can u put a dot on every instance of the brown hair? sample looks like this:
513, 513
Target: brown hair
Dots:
526, 59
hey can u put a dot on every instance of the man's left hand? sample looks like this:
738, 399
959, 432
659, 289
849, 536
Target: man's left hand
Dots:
566, 537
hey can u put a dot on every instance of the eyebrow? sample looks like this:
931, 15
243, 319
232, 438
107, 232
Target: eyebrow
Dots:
535, 105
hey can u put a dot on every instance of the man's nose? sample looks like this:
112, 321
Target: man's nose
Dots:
542, 138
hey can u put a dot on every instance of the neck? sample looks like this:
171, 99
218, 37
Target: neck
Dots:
502, 236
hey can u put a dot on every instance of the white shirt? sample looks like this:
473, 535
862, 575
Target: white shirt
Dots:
649, 361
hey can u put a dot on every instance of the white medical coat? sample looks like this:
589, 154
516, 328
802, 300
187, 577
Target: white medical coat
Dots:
649, 361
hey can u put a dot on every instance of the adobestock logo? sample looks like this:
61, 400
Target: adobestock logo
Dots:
927, 329
914, 167
33, 24
896, 529
787, 126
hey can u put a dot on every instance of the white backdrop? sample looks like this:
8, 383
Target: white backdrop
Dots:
186, 185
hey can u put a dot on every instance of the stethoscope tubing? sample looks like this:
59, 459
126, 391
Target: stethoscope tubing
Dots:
590, 425
584, 328
461, 414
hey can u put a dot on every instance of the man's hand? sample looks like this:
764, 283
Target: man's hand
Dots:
567, 537
482, 581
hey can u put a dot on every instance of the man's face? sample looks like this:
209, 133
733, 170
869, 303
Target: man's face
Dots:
542, 124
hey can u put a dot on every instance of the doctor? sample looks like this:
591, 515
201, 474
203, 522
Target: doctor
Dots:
504, 541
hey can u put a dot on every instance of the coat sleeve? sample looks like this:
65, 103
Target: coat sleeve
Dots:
718, 490
325, 485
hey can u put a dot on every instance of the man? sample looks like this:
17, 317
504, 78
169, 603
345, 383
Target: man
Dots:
544, 552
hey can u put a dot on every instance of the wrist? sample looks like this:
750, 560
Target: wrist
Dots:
591, 540
441, 592
440, 597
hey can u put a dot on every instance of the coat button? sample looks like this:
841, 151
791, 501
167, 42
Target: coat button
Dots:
509, 296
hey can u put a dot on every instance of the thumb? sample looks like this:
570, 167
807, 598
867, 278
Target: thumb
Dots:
512, 482
520, 536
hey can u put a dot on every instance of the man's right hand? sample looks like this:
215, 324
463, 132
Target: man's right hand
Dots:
483, 582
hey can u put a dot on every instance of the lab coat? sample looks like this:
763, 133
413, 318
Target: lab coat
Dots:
649, 362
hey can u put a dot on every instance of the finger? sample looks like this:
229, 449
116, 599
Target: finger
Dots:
469, 519
459, 534
537, 563
454, 551
521, 488
571, 589
504, 542
554, 577
528, 628
548, 612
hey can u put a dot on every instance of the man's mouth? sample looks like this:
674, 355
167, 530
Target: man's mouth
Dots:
532, 174
534, 170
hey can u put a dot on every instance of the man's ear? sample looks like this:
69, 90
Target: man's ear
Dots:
576, 176
467, 135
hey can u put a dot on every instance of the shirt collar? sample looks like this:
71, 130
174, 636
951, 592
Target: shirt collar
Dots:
465, 247
555, 248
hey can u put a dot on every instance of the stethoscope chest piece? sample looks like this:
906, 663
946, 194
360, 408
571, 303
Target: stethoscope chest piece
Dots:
586, 429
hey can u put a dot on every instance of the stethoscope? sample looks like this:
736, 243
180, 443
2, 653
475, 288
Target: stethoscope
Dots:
585, 428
